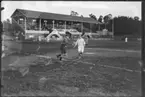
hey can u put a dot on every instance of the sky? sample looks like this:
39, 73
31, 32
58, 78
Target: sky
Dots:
84, 8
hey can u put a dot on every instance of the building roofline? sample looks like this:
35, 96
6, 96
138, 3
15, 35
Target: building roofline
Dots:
55, 16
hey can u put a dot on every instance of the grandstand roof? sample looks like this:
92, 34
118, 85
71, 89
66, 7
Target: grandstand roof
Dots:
54, 16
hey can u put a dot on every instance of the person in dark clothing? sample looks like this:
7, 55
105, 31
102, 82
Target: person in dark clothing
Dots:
63, 46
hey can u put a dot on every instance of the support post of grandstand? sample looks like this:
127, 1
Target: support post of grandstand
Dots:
90, 27
82, 27
53, 23
99, 26
18, 21
71, 25
39, 24
65, 25
25, 24
113, 26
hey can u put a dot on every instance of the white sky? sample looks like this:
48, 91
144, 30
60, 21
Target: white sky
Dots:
82, 7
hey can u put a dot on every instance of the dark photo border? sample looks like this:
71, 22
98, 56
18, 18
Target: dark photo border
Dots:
143, 33
143, 49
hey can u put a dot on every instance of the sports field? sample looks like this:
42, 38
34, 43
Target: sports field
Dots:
107, 68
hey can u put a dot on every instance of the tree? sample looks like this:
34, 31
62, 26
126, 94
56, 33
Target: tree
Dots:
100, 19
127, 26
92, 16
8, 28
73, 13
82, 16
107, 19
136, 18
7, 25
110, 16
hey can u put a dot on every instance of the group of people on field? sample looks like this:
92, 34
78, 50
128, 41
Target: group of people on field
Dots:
80, 43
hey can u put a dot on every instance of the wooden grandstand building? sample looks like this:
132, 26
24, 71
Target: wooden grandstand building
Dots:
35, 22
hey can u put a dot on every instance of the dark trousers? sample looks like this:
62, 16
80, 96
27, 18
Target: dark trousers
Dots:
63, 49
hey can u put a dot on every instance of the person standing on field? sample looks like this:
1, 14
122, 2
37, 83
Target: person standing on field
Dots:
81, 45
63, 46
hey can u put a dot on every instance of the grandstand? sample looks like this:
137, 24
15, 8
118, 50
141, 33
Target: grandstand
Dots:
37, 23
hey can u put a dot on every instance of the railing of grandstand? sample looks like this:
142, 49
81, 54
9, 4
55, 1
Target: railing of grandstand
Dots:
44, 27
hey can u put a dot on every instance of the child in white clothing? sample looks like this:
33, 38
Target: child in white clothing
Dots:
81, 45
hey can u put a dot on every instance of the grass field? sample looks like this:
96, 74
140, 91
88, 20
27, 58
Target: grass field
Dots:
107, 68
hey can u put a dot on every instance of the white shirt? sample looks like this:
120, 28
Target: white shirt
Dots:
80, 42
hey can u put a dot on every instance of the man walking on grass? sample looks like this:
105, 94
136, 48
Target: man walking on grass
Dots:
81, 45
